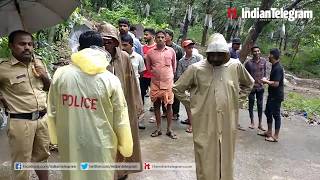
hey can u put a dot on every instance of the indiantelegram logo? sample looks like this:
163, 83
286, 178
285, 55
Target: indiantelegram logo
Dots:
275, 13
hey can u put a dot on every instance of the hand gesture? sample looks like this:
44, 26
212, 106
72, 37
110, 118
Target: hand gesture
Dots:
38, 70
264, 80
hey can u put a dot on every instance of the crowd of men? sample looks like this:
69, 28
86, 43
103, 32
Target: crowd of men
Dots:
95, 103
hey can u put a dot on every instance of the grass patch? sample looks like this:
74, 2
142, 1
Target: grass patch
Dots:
306, 64
297, 103
194, 33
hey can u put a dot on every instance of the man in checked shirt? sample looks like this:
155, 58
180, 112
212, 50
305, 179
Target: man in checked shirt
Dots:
188, 59
257, 68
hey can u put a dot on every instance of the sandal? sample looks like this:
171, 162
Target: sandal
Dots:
263, 134
171, 134
271, 139
156, 133
261, 128
187, 122
189, 130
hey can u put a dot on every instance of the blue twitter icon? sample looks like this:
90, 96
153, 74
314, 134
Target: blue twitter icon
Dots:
84, 166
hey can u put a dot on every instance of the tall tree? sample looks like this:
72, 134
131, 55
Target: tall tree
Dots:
206, 24
187, 20
258, 26
255, 31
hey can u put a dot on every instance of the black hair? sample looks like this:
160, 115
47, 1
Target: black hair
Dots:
161, 31
127, 38
170, 32
276, 53
254, 46
150, 30
16, 33
90, 38
133, 28
124, 21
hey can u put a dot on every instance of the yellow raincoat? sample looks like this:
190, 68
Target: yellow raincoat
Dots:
214, 107
121, 67
88, 113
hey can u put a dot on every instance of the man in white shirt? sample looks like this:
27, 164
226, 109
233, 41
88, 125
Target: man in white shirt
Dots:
137, 62
136, 59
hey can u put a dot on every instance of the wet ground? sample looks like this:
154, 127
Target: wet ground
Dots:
295, 157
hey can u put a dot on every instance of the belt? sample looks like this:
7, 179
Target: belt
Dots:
30, 116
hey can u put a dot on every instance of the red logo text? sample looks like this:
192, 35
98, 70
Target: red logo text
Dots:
232, 13
147, 166
81, 102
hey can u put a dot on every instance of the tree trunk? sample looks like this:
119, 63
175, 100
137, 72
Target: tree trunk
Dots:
185, 29
257, 28
296, 50
204, 35
51, 34
280, 45
205, 27
109, 4
286, 41
254, 31
186, 24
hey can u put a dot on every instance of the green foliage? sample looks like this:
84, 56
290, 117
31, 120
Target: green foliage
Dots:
265, 46
298, 103
4, 49
195, 33
305, 64
113, 17
48, 53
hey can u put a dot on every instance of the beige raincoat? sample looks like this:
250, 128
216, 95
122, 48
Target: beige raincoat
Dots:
88, 113
214, 107
121, 67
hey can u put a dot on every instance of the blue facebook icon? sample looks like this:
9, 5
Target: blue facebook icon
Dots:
18, 166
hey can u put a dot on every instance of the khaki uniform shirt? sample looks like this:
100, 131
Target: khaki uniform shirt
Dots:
20, 87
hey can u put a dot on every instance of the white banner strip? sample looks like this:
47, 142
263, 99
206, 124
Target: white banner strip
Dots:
85, 166
45, 166
169, 166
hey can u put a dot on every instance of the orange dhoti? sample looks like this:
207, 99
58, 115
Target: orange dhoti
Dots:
165, 95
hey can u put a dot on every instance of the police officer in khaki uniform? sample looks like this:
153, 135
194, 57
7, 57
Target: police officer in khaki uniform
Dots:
23, 82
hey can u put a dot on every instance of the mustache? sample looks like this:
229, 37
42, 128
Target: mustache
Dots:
26, 52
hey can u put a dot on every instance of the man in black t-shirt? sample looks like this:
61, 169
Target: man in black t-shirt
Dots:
275, 96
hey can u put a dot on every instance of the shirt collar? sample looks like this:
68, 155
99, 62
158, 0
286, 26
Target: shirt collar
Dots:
275, 64
165, 47
14, 61
255, 61
193, 56
172, 45
133, 54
